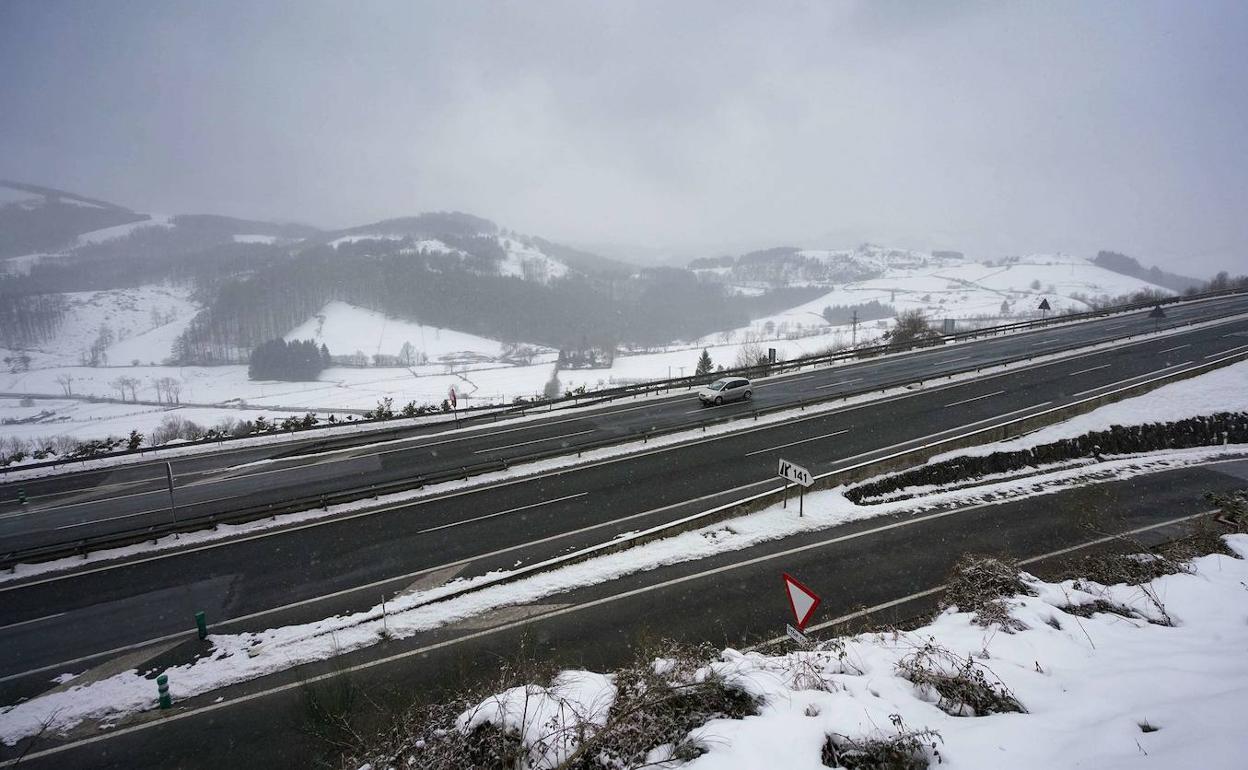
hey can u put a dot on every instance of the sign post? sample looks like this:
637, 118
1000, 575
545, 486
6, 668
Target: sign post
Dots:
450, 395
803, 602
799, 475
1045, 307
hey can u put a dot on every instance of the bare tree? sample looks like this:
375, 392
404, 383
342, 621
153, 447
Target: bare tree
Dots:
173, 389
66, 381
120, 385
131, 384
749, 354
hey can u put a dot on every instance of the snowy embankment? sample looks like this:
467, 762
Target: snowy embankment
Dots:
242, 656
1161, 678
1222, 390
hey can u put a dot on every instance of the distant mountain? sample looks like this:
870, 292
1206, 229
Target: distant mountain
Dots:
788, 266
36, 219
1121, 263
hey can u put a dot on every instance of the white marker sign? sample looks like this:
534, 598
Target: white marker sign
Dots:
795, 473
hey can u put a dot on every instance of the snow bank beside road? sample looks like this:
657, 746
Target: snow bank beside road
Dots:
1104, 691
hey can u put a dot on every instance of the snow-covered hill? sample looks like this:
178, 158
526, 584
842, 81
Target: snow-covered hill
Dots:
346, 329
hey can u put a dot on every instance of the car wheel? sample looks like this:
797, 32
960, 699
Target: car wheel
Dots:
748, 395
719, 401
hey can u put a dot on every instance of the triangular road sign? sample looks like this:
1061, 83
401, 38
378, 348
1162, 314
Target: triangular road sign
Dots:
802, 600
1044, 305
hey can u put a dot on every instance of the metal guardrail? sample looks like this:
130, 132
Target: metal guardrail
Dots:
83, 546
478, 414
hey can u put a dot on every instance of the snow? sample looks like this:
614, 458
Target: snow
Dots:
550, 719
528, 262
1222, 390
345, 328
252, 238
960, 290
366, 237
12, 195
243, 656
120, 231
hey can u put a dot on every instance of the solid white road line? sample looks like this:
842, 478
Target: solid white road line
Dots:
1225, 352
369, 587
784, 382
937, 589
1093, 369
534, 441
795, 443
977, 398
29, 622
546, 616
501, 513
1122, 383
1176, 347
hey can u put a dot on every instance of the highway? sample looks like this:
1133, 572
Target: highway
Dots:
90, 617
890, 566
348, 562
74, 506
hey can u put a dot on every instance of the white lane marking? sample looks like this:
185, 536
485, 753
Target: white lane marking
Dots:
834, 384
517, 623
1129, 379
490, 486
1225, 352
1044, 342
1093, 369
32, 620
90, 522
937, 589
783, 382
534, 441
1176, 347
795, 443
403, 579
977, 398
501, 513
952, 360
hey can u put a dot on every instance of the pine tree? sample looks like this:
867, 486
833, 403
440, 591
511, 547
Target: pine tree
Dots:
704, 364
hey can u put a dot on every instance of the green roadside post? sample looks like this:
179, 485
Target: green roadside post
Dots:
21, 496
162, 690
201, 623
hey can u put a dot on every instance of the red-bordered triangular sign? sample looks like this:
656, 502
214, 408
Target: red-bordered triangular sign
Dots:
802, 600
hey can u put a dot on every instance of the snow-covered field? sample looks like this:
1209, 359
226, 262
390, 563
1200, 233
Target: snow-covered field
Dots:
941, 288
345, 329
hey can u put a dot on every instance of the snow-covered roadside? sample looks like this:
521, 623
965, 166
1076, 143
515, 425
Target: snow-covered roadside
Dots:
1104, 691
18, 475
244, 656
1222, 390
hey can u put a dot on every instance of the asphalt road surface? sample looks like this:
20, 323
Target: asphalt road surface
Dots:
734, 599
73, 621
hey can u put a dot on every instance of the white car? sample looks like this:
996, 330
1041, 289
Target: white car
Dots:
726, 389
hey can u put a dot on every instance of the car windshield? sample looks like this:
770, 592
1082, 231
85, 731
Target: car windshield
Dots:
717, 385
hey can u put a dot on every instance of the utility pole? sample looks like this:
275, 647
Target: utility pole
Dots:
854, 333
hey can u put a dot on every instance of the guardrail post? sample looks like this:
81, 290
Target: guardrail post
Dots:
201, 624
162, 691
21, 495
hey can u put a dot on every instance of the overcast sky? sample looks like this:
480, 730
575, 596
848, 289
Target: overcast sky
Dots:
678, 128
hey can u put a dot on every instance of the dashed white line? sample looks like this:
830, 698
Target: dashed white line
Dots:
534, 441
1129, 379
1093, 369
795, 443
834, 384
1176, 347
29, 622
501, 513
977, 398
